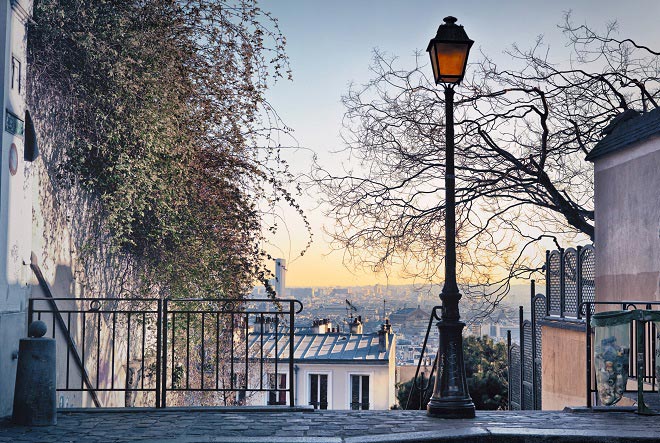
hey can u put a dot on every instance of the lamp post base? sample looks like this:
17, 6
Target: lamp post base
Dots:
450, 398
443, 408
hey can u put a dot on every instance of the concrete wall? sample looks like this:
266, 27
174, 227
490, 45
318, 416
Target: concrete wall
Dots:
627, 237
563, 368
41, 215
75, 260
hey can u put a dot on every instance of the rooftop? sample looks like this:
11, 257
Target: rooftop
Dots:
626, 129
328, 346
279, 424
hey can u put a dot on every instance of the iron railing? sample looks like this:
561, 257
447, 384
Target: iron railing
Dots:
569, 285
645, 352
108, 340
424, 388
201, 351
570, 280
208, 347
524, 358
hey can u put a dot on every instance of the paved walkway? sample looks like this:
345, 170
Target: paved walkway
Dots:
208, 425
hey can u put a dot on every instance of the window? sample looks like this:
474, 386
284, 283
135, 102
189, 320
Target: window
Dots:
318, 391
240, 385
359, 392
16, 74
277, 396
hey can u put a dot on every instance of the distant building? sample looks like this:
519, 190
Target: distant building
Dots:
280, 277
410, 321
340, 292
301, 293
332, 370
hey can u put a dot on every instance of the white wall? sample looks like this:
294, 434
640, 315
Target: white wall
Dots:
15, 203
381, 383
627, 224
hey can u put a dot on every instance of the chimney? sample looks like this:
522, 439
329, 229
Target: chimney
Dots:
356, 325
322, 326
384, 336
280, 277
620, 118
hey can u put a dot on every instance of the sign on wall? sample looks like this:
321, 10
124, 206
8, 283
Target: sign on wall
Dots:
13, 124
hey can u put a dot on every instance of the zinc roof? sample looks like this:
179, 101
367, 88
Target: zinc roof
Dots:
626, 133
318, 347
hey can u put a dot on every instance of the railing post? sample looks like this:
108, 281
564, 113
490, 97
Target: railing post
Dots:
159, 325
163, 354
578, 275
291, 353
533, 323
508, 356
30, 311
547, 283
562, 283
588, 329
522, 357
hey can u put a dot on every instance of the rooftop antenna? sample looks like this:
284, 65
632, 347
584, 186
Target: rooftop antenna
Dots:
350, 309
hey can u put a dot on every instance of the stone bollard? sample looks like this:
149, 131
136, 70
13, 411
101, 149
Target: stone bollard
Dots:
35, 396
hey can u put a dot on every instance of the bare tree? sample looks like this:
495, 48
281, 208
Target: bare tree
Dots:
521, 138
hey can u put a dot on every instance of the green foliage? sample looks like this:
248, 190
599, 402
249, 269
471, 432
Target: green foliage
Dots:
416, 402
163, 100
486, 368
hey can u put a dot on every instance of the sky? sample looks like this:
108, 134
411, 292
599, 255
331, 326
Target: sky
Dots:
330, 46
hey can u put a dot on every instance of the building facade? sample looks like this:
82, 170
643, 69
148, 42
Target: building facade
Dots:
627, 241
332, 370
16, 173
627, 209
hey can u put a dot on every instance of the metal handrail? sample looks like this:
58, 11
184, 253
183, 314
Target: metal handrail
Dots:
415, 385
45, 287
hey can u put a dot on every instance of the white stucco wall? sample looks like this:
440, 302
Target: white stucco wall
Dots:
339, 394
15, 201
627, 223
382, 381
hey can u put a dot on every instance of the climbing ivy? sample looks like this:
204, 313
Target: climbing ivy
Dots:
163, 101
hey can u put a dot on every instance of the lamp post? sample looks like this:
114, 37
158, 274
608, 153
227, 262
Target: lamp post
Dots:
449, 52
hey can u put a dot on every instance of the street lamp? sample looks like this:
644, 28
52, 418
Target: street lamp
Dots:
449, 52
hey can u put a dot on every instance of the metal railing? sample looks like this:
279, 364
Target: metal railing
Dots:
200, 351
569, 285
424, 388
108, 340
570, 280
208, 348
524, 358
645, 353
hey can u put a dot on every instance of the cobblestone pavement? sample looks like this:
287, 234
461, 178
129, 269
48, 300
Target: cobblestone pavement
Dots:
190, 425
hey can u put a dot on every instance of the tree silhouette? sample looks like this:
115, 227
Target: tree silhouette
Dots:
521, 137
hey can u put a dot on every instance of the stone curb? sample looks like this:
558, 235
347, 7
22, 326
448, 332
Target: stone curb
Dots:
220, 409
